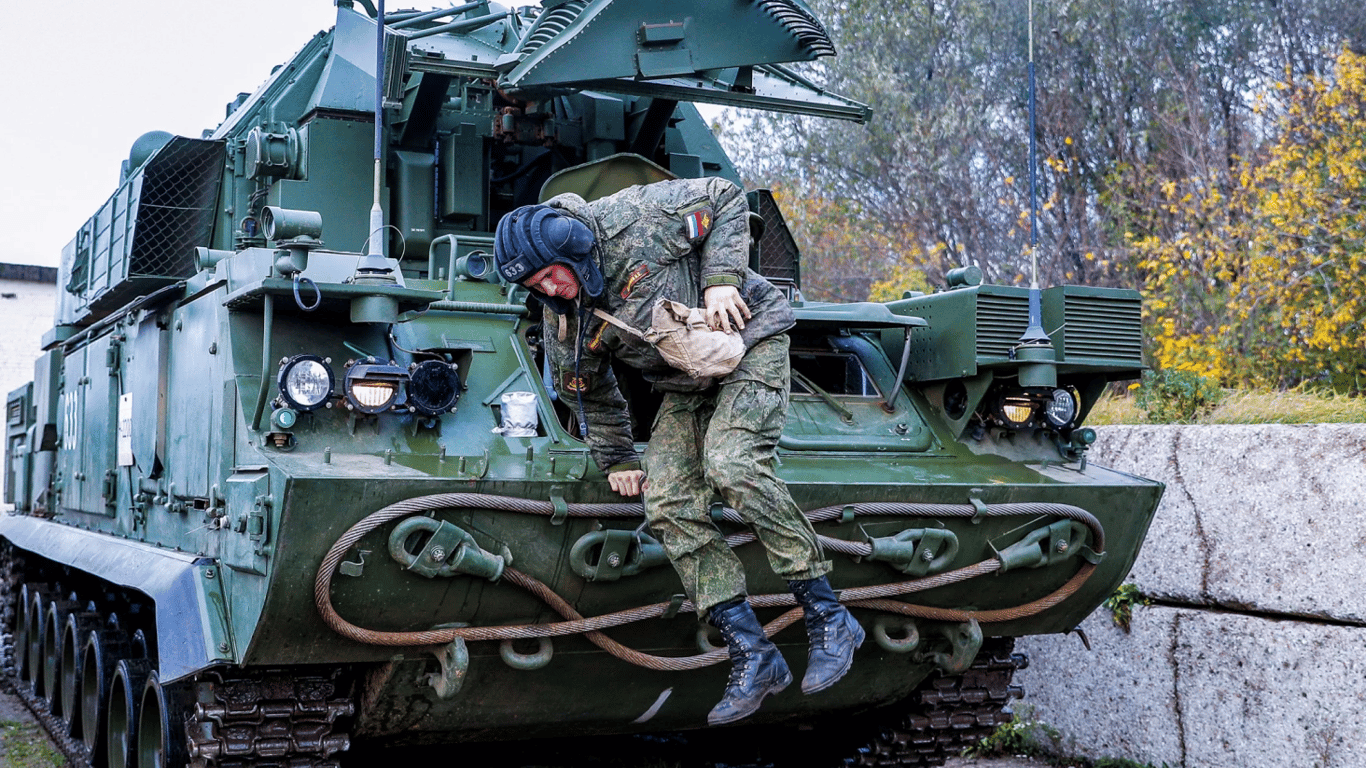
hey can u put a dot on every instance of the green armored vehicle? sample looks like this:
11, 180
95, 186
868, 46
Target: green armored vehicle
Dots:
289, 476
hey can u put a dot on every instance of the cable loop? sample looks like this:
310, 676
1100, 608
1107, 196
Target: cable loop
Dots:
317, 292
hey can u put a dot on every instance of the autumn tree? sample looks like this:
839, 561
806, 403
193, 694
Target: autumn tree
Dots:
1265, 283
1133, 94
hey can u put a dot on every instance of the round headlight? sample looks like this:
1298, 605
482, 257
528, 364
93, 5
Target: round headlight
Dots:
1016, 411
1061, 408
433, 387
373, 387
305, 382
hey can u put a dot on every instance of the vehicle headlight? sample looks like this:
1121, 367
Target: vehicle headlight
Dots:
305, 382
373, 387
1061, 408
433, 387
1016, 411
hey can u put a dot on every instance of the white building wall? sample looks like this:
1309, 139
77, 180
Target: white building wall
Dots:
26, 312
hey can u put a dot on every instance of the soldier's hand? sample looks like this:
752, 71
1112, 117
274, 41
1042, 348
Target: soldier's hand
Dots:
627, 482
725, 308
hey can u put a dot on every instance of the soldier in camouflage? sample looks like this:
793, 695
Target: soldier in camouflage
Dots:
686, 240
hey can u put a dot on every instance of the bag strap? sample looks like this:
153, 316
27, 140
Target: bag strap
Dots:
618, 323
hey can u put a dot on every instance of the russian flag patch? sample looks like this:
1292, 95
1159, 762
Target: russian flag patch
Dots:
696, 224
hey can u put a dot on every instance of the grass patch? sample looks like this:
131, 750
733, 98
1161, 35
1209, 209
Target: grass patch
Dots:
1027, 736
1245, 407
1023, 735
24, 745
1121, 605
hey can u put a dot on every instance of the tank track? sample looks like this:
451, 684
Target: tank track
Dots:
269, 720
274, 721
948, 713
11, 579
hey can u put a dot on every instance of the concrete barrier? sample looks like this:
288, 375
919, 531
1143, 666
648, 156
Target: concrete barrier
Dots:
1254, 652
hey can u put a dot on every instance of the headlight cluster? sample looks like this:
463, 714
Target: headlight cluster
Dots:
429, 388
1052, 408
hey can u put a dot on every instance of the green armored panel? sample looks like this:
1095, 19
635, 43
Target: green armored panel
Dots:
18, 409
969, 327
981, 325
339, 180
47, 371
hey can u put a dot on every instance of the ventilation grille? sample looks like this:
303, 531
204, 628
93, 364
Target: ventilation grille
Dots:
1103, 327
779, 258
801, 25
1001, 321
549, 24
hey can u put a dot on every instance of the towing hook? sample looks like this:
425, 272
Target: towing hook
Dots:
447, 551
917, 551
1048, 545
618, 553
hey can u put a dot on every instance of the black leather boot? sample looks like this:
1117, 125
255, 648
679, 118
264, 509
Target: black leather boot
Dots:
757, 667
832, 631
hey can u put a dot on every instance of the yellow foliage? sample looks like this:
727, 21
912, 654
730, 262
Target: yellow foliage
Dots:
1263, 281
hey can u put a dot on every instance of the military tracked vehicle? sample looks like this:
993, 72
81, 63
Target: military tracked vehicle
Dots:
289, 476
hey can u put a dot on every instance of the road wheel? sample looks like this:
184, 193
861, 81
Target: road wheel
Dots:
121, 725
26, 627
54, 624
161, 725
103, 649
79, 625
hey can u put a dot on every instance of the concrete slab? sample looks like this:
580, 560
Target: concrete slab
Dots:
1199, 689
1266, 518
1115, 700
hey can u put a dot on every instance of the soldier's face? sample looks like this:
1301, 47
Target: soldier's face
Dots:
555, 280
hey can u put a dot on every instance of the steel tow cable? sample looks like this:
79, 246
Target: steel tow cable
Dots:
871, 597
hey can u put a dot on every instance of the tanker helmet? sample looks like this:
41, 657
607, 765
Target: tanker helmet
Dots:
533, 237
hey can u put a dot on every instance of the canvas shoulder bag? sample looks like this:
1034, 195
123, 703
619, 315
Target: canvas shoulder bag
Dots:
682, 338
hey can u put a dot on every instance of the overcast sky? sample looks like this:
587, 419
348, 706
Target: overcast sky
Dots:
83, 79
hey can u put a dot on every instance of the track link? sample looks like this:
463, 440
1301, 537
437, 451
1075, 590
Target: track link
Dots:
949, 713
274, 721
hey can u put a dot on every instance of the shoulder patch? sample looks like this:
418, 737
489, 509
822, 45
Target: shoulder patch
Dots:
697, 223
571, 383
637, 274
595, 342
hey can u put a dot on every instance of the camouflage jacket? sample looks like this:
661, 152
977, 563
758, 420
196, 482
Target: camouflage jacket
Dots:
672, 239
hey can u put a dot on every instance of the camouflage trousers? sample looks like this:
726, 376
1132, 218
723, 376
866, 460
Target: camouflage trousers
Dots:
723, 441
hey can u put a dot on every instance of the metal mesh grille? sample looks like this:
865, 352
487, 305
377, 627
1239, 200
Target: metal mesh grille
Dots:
779, 258
1001, 320
1103, 327
175, 208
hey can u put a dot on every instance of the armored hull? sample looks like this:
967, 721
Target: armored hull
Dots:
270, 496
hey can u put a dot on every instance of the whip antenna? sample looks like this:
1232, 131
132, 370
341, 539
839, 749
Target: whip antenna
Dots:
1035, 333
373, 262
